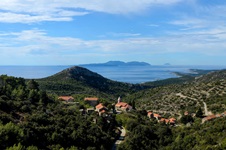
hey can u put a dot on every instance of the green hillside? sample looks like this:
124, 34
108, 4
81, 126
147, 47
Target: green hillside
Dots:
186, 96
78, 80
31, 118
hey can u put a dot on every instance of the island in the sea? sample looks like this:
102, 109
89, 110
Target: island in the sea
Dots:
118, 63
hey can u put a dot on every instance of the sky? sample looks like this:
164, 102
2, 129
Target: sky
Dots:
72, 32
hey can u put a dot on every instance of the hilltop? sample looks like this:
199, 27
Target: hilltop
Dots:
79, 80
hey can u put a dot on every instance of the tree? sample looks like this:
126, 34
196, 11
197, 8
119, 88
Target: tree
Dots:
16, 147
43, 97
199, 113
33, 96
10, 134
33, 85
19, 93
186, 119
133, 104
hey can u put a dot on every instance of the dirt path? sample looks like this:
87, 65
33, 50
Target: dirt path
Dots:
121, 138
183, 96
207, 113
205, 109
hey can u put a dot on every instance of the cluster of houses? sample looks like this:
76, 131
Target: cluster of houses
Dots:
211, 117
125, 107
98, 107
151, 115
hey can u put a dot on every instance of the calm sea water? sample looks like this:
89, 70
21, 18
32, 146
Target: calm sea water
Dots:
134, 74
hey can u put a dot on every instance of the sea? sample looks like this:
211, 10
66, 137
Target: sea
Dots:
128, 74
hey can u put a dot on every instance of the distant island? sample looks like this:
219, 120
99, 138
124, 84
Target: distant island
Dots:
167, 64
118, 63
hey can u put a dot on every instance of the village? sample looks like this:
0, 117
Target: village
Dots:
120, 107
96, 106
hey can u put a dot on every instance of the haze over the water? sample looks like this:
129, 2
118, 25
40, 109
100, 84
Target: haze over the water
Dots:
117, 71
179, 32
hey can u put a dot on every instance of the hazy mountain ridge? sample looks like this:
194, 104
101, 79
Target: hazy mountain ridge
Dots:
118, 63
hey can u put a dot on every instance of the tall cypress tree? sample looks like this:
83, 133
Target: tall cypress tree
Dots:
199, 113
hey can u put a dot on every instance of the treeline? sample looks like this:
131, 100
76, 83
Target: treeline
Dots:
31, 119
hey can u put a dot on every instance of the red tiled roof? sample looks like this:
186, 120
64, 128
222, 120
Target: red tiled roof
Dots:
162, 119
167, 120
157, 115
103, 111
150, 113
65, 98
99, 106
121, 104
172, 119
91, 99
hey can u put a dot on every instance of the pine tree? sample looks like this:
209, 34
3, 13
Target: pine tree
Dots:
199, 113
33, 85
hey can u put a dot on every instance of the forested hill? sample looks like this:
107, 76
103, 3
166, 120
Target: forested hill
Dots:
186, 96
78, 80
77, 73
212, 76
31, 120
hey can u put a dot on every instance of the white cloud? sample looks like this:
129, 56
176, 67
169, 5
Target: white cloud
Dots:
153, 25
124, 34
37, 47
30, 11
37, 42
20, 18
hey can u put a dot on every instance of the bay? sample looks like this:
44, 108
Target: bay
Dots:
129, 74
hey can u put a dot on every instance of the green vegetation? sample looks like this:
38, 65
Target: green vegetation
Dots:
147, 134
187, 96
32, 118
78, 80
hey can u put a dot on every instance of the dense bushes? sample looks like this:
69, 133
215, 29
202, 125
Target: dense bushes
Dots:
31, 120
146, 134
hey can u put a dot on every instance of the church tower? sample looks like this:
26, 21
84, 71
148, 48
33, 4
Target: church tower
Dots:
119, 99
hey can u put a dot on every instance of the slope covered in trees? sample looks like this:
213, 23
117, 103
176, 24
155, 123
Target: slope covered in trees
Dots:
30, 119
145, 134
186, 96
78, 80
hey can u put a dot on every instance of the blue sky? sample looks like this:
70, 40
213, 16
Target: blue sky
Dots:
71, 32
